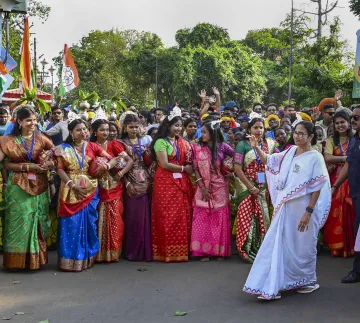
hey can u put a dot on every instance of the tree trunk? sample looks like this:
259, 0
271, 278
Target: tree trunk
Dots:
320, 14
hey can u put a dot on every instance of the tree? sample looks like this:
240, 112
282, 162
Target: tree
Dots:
355, 7
327, 65
322, 14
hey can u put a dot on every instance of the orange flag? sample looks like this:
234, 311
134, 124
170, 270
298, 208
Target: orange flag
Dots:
25, 61
3, 69
70, 77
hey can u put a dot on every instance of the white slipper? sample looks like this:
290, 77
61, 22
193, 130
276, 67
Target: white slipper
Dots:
308, 289
278, 296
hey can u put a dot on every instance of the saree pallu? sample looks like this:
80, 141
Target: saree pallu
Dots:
137, 236
78, 240
171, 211
27, 225
339, 227
253, 216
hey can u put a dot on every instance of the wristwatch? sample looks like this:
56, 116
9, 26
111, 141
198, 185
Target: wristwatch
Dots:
309, 210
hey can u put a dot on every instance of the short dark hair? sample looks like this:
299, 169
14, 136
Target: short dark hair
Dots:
3, 110
328, 106
55, 107
188, 121
229, 108
289, 106
255, 104
271, 105
159, 109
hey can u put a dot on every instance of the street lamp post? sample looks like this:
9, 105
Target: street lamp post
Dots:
156, 82
291, 50
52, 70
42, 79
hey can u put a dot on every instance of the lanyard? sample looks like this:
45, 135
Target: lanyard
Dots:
341, 150
29, 152
81, 163
137, 152
175, 147
257, 156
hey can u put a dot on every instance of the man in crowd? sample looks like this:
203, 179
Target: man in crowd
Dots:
258, 108
59, 128
159, 115
289, 110
57, 115
328, 111
351, 170
4, 118
271, 109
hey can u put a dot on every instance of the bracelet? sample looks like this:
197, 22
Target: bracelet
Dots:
198, 180
108, 166
182, 169
69, 181
253, 189
335, 186
121, 174
21, 167
27, 167
127, 184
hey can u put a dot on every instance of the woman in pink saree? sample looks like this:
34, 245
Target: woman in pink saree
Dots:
210, 234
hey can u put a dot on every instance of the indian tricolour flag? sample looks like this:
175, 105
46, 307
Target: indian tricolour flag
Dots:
69, 75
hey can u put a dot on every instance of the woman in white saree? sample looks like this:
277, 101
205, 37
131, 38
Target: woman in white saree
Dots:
300, 191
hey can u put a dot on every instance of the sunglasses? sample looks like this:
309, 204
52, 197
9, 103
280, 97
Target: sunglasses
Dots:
355, 118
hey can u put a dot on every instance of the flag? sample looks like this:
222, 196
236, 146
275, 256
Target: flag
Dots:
356, 86
10, 62
3, 69
25, 61
5, 82
69, 74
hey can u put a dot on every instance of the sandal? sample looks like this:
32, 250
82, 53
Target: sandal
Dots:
220, 258
308, 289
205, 259
261, 297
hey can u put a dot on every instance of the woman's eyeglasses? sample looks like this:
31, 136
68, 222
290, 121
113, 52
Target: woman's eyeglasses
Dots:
299, 134
356, 117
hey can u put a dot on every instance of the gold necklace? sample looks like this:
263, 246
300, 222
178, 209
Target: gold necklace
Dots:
27, 137
133, 141
102, 145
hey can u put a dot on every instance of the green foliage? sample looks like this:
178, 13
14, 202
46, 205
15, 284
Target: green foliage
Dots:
30, 97
204, 35
355, 7
328, 62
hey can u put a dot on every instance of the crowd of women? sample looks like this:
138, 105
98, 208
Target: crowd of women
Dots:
181, 187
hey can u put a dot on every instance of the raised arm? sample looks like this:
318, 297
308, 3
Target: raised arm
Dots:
254, 143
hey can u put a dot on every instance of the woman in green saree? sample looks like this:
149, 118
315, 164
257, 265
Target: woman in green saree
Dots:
27, 200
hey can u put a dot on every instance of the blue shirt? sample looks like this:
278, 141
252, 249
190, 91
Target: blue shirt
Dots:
353, 160
270, 134
56, 139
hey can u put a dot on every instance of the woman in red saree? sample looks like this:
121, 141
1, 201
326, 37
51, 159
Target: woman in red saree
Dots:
111, 189
339, 227
172, 194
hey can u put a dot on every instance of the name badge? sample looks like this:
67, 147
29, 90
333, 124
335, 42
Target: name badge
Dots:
31, 177
261, 178
177, 175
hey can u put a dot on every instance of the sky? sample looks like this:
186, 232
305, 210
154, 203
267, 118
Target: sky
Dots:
70, 20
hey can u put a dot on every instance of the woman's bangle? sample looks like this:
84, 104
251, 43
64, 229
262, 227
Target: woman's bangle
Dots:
21, 167
253, 189
108, 166
335, 187
127, 184
121, 174
182, 169
27, 167
198, 180
69, 181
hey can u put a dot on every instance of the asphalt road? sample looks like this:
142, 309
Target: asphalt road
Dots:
121, 293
